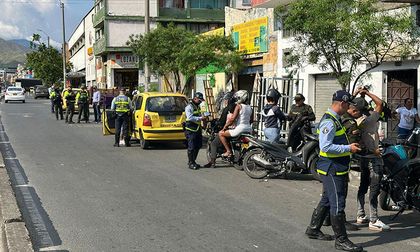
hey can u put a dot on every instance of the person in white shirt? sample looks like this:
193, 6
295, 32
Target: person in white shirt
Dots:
407, 116
96, 101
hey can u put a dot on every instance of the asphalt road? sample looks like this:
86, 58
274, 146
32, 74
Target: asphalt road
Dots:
79, 193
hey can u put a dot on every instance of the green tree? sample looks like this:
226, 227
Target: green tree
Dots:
175, 51
342, 34
46, 62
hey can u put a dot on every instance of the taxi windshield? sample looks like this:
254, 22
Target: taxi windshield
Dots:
166, 104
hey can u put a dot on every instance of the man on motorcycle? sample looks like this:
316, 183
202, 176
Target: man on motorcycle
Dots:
371, 165
273, 116
300, 116
229, 108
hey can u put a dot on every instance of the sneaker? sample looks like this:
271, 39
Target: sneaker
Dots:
378, 225
362, 219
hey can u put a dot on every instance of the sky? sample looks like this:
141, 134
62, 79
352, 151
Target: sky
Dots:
19, 19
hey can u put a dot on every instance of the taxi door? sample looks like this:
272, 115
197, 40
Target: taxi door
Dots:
108, 122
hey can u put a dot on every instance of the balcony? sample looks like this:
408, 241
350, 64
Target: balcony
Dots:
172, 14
99, 17
99, 47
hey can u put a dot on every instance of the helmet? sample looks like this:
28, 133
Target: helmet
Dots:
361, 104
241, 96
199, 95
273, 94
299, 96
135, 92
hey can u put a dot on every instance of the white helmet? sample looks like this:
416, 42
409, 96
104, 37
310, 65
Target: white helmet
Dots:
134, 92
241, 96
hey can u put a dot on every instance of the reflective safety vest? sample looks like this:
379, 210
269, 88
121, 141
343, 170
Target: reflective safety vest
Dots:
82, 97
122, 104
69, 96
191, 125
340, 162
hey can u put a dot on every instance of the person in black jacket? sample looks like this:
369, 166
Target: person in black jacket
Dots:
216, 143
273, 116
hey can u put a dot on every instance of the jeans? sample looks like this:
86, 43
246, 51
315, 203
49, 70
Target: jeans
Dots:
404, 133
370, 177
272, 134
97, 111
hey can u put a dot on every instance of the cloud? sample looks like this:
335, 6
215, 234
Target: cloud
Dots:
8, 31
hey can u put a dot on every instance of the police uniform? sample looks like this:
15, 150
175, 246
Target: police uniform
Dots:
82, 99
122, 106
333, 166
352, 129
70, 98
193, 132
55, 97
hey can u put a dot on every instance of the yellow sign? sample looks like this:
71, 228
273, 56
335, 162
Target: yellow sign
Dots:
90, 51
215, 32
252, 36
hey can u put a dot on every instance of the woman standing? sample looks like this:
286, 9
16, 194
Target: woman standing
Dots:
406, 115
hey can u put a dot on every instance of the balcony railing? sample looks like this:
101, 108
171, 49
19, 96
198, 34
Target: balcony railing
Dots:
203, 14
99, 46
99, 17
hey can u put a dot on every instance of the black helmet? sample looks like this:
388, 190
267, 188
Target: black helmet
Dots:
228, 96
273, 94
361, 104
299, 96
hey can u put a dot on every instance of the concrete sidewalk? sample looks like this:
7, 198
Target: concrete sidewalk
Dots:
14, 234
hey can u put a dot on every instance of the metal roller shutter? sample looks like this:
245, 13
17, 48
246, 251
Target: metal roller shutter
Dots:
325, 86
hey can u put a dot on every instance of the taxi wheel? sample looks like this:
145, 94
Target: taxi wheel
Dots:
144, 144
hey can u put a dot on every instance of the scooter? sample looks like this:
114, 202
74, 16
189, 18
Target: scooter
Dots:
239, 145
270, 159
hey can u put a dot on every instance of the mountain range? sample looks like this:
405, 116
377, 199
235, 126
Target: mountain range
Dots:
13, 52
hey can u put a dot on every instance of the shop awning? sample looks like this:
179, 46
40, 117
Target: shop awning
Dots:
76, 75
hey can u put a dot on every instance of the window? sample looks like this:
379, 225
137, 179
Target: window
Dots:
171, 4
246, 2
209, 4
166, 104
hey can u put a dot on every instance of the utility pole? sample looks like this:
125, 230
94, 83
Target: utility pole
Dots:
147, 29
64, 43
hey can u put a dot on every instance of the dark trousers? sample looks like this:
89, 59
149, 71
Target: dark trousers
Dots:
334, 193
97, 111
52, 106
83, 108
69, 112
214, 145
195, 142
58, 108
121, 124
371, 176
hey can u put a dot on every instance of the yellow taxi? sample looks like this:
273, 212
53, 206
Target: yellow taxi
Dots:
156, 117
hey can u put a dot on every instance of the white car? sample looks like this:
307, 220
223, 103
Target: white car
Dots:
14, 94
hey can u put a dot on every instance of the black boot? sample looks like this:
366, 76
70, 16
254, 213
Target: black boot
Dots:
191, 163
327, 221
342, 242
314, 229
350, 226
195, 157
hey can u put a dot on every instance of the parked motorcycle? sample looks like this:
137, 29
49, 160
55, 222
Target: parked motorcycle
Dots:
239, 146
401, 182
270, 159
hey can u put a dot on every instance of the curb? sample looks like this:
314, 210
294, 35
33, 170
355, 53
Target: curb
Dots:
14, 234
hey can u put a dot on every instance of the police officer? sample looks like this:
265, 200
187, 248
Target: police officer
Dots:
82, 100
56, 99
333, 166
193, 129
70, 98
300, 116
122, 106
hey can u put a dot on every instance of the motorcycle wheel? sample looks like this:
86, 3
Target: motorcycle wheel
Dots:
313, 159
385, 201
251, 169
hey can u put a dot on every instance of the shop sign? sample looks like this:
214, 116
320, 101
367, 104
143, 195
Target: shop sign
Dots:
125, 61
90, 51
215, 32
252, 36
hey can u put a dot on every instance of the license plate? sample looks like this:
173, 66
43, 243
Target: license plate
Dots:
170, 119
14, 94
171, 125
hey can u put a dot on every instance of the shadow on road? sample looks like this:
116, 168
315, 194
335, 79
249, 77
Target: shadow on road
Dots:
40, 227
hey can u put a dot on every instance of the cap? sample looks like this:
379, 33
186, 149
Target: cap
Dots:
360, 103
199, 95
121, 89
342, 95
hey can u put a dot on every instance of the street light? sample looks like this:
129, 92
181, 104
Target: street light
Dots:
48, 37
